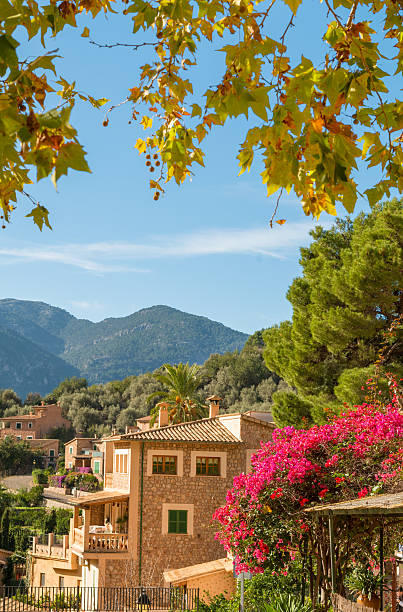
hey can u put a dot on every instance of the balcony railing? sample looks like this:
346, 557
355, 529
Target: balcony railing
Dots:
51, 545
100, 542
108, 542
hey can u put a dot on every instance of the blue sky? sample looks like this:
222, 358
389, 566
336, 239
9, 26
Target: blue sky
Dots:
205, 248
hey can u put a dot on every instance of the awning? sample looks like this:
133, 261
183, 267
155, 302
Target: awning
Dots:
102, 497
388, 504
201, 569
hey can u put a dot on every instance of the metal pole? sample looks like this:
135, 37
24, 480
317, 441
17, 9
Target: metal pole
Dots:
381, 569
394, 585
242, 602
332, 558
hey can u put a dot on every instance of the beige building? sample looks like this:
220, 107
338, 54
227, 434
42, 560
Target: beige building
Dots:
85, 452
162, 486
39, 422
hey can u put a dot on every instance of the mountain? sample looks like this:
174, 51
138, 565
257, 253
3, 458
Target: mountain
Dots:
25, 366
113, 348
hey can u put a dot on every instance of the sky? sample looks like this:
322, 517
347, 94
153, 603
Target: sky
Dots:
204, 248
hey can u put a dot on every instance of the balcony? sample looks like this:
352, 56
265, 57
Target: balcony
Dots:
100, 525
105, 542
51, 545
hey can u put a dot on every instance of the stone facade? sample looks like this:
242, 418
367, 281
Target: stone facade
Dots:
144, 498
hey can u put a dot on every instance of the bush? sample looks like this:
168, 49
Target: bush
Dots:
89, 482
40, 477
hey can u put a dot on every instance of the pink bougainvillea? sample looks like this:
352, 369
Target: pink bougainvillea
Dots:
356, 454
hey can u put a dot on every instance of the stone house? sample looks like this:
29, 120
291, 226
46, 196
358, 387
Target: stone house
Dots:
39, 422
162, 486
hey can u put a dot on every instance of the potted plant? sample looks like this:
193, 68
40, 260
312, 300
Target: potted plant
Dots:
122, 522
365, 585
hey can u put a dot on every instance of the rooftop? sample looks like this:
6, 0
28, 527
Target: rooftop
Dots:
184, 573
21, 417
203, 430
101, 497
386, 504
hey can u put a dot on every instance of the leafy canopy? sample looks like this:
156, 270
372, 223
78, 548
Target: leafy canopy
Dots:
310, 122
347, 298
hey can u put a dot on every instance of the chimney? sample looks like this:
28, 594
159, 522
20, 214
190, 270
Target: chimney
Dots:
214, 406
163, 415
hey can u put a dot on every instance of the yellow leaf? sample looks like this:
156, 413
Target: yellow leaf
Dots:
146, 122
281, 221
140, 146
85, 33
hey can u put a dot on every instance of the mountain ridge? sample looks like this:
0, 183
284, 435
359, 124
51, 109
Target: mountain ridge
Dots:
117, 346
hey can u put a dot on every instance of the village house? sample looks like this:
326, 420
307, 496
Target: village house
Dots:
34, 426
85, 453
39, 422
162, 486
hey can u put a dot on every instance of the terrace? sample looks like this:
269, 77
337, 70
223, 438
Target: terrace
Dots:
102, 525
51, 545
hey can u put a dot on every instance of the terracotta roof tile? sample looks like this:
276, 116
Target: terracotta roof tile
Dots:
204, 430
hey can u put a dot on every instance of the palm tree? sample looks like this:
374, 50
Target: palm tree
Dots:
182, 382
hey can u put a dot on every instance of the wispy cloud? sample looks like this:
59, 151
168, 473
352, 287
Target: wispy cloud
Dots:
104, 257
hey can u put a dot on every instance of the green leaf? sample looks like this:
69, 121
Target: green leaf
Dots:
71, 155
293, 4
8, 55
40, 216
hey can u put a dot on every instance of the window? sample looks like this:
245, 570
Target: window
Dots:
29, 425
70, 465
177, 518
207, 466
71, 450
163, 464
18, 425
42, 580
177, 521
94, 447
29, 438
18, 437
61, 582
51, 453
96, 467
121, 461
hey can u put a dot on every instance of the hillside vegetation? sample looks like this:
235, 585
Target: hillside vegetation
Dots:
111, 349
239, 377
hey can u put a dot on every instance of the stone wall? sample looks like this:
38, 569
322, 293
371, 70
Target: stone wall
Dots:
160, 551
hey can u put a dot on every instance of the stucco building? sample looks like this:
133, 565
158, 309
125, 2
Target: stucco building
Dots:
39, 422
85, 452
162, 486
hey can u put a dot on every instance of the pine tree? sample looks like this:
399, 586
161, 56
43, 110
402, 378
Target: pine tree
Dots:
349, 294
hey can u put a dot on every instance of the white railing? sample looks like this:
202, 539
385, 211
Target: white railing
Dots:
107, 542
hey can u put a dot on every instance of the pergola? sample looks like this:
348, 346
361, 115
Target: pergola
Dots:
381, 506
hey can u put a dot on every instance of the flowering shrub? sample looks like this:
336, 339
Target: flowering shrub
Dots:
58, 480
264, 522
85, 470
84, 481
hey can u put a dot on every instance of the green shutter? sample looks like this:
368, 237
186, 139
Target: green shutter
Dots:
177, 521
